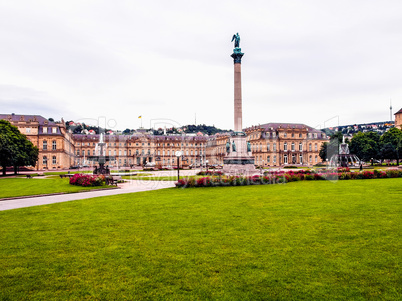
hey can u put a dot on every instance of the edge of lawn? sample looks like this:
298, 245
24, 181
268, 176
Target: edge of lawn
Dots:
56, 193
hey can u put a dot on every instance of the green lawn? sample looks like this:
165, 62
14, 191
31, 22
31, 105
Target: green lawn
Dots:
314, 240
14, 187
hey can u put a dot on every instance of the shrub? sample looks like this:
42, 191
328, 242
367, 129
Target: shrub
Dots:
309, 177
86, 180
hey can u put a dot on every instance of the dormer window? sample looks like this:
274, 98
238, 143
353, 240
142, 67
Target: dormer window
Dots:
44, 130
54, 130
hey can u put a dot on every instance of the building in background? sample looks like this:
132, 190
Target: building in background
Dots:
55, 144
398, 119
272, 144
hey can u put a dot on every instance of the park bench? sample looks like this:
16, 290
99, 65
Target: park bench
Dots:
112, 180
66, 176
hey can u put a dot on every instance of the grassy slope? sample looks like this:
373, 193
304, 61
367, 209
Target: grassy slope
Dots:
304, 240
13, 187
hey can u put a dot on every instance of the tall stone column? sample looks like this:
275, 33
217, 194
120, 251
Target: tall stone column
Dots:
238, 159
237, 55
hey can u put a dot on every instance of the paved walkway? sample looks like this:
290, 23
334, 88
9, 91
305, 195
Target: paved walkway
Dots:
128, 187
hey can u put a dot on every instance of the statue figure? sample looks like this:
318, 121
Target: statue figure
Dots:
228, 146
236, 38
233, 146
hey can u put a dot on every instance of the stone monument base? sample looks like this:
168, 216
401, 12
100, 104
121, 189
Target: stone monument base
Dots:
238, 161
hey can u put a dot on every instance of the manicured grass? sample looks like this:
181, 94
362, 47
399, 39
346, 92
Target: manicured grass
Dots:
314, 240
14, 187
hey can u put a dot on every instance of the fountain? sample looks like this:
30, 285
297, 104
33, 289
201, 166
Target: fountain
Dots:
101, 158
344, 158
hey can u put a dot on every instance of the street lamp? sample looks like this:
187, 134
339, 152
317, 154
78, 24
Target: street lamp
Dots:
178, 155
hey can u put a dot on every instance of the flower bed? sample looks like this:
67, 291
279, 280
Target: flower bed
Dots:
289, 176
86, 180
210, 173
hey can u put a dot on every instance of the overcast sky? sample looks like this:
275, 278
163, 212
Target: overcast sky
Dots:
304, 61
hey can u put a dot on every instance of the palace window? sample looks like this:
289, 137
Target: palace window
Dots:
300, 135
44, 130
274, 147
28, 130
309, 135
149, 152
315, 135
93, 153
293, 146
285, 159
268, 159
54, 130
293, 135
300, 147
315, 147
274, 158
54, 145
285, 146
110, 152
54, 159
125, 153
44, 161
119, 152
316, 159
301, 158
142, 152
129, 152
311, 159
89, 152
44, 145
273, 134
309, 147
136, 152
268, 147
285, 134
78, 152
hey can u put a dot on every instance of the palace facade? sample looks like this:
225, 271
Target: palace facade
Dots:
272, 144
55, 144
275, 144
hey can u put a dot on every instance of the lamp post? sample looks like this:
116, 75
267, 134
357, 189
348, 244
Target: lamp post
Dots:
178, 155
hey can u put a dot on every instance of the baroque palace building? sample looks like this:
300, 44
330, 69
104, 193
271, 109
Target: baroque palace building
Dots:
55, 144
272, 144
275, 144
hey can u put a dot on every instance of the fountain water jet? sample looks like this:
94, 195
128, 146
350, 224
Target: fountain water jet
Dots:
101, 158
344, 158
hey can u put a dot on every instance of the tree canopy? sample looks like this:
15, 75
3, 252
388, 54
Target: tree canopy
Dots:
15, 149
366, 145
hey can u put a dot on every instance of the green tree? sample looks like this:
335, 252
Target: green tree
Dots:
15, 149
366, 145
332, 147
391, 145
